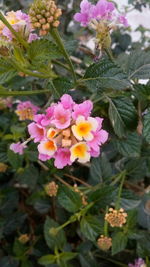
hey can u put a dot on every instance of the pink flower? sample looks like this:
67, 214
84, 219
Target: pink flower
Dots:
26, 110
122, 20
84, 16
43, 157
18, 148
42, 120
83, 109
100, 137
138, 263
62, 117
103, 9
67, 101
32, 37
36, 131
62, 158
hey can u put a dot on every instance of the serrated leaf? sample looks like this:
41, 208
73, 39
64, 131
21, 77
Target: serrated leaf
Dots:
138, 65
67, 256
122, 114
69, 199
63, 85
142, 91
53, 240
42, 50
119, 242
130, 146
100, 169
7, 71
105, 74
90, 227
146, 127
101, 195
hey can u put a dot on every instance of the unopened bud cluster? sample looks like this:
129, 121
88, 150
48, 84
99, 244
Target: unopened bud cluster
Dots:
3, 167
104, 243
44, 15
51, 189
24, 238
116, 218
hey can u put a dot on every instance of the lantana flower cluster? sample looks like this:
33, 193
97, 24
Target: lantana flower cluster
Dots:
26, 110
67, 132
21, 23
102, 17
138, 263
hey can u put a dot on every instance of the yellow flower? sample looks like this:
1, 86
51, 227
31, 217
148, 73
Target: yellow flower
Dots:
51, 133
80, 151
82, 129
47, 147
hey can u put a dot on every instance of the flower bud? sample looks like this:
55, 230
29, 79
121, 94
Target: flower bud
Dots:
24, 238
104, 243
3, 167
51, 189
44, 12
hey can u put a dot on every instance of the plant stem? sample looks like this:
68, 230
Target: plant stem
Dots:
62, 181
19, 93
117, 205
16, 34
55, 34
109, 54
106, 225
77, 179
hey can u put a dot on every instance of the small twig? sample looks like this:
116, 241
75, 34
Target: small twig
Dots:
43, 165
62, 181
77, 179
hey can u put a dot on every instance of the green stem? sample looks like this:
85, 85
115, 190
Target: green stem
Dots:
18, 37
55, 34
117, 205
106, 225
19, 93
109, 54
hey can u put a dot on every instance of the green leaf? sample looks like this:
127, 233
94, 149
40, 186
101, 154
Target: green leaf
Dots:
122, 114
63, 85
119, 242
146, 127
100, 169
69, 199
7, 71
105, 75
90, 227
47, 259
15, 160
42, 50
53, 240
67, 256
28, 176
142, 91
101, 195
19, 249
138, 65
129, 147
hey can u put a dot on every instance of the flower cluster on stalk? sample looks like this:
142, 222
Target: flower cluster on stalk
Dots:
102, 17
21, 23
116, 218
